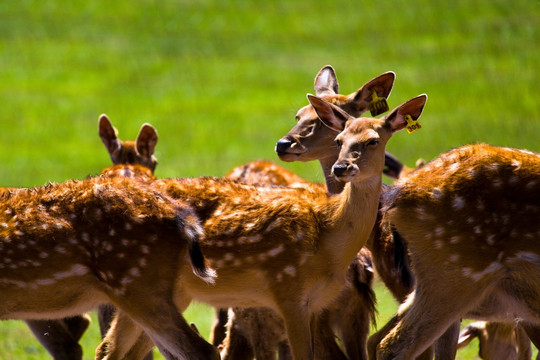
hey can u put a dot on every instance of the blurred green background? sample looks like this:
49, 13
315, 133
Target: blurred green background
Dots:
222, 80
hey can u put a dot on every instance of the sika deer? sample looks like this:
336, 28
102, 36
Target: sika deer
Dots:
310, 140
284, 248
61, 337
69, 247
470, 221
350, 314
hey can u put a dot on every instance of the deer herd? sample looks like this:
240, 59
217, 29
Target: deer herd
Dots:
287, 264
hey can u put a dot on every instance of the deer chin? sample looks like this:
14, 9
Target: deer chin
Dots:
349, 176
288, 156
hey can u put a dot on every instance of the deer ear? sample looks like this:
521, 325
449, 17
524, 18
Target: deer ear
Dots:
397, 119
330, 115
326, 82
109, 135
374, 92
146, 140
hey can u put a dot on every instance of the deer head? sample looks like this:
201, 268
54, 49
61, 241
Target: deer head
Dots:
309, 140
140, 151
361, 141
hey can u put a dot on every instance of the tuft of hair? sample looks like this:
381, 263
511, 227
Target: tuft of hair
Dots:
401, 260
392, 166
191, 227
364, 289
389, 195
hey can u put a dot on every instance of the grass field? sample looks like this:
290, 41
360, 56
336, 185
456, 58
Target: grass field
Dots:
222, 80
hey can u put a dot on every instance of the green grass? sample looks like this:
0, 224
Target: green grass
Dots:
222, 80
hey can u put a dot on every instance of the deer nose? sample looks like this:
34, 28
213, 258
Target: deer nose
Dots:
283, 145
339, 170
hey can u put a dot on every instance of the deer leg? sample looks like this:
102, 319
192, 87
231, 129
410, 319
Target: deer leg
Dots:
446, 345
168, 330
423, 318
56, 338
219, 327
235, 345
77, 325
297, 324
325, 346
122, 336
106, 315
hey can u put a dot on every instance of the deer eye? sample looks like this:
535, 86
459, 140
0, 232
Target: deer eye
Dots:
373, 142
338, 143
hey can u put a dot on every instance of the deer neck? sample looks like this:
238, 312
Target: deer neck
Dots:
333, 185
355, 213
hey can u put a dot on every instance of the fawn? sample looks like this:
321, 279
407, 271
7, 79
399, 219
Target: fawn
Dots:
302, 138
286, 248
309, 140
69, 247
469, 218
260, 331
60, 337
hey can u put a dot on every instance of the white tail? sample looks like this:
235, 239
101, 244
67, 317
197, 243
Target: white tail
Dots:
470, 220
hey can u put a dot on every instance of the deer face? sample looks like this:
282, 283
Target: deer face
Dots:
361, 144
309, 140
362, 141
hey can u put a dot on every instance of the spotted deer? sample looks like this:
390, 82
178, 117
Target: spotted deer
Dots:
61, 337
260, 332
69, 247
286, 248
470, 221
310, 140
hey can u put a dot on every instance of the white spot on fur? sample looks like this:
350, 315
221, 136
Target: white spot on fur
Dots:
228, 257
494, 266
290, 270
437, 244
458, 203
76, 270
455, 239
454, 257
437, 193
128, 226
439, 231
135, 272
466, 271
276, 251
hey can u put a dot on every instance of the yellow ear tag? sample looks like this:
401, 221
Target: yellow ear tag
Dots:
412, 125
378, 105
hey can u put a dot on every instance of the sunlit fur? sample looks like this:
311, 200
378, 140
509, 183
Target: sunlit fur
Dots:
470, 218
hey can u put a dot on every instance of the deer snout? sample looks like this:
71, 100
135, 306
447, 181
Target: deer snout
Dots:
288, 148
344, 171
283, 145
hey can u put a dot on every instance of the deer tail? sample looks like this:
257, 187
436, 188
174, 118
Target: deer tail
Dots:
192, 229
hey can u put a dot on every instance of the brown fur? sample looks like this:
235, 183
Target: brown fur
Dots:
473, 200
61, 337
350, 314
69, 247
286, 248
